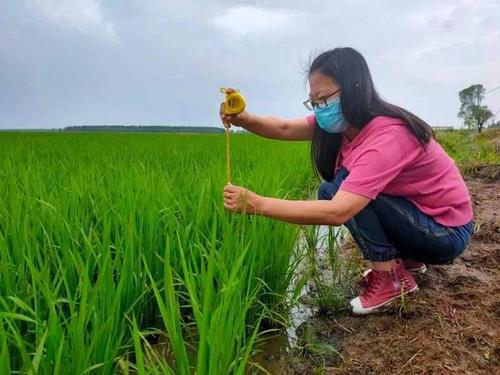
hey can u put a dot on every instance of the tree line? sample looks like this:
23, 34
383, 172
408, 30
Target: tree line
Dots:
144, 128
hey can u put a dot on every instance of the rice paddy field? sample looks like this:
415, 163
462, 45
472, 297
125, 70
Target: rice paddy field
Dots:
118, 257
113, 243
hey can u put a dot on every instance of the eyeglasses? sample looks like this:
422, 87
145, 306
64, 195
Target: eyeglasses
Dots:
322, 102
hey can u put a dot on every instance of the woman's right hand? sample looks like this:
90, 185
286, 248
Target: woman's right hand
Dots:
240, 120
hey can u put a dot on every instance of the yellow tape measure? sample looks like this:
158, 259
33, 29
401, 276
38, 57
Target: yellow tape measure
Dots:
234, 104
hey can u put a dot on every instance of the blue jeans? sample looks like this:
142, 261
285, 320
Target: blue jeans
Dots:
392, 227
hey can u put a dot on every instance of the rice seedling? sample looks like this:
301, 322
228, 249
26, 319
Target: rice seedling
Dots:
106, 238
333, 284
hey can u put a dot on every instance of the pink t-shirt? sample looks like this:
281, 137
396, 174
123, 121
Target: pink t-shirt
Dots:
385, 157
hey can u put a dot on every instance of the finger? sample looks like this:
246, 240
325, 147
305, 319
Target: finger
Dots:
229, 118
232, 209
229, 206
230, 202
223, 113
223, 116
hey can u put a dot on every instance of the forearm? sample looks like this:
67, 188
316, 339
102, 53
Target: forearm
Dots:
266, 126
318, 212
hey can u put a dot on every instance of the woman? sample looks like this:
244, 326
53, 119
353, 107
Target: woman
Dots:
386, 178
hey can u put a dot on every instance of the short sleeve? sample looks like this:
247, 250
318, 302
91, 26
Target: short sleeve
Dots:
311, 120
378, 161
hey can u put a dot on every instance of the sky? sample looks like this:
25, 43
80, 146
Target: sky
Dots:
85, 62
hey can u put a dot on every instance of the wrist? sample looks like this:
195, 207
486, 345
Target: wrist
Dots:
261, 206
248, 121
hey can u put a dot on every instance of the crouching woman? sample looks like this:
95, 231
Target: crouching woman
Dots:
385, 178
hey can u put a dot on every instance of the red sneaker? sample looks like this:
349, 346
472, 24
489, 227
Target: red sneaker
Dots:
383, 287
410, 265
414, 267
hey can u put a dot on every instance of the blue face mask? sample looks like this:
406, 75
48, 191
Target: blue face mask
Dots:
330, 118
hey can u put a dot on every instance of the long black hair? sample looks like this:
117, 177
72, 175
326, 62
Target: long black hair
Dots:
360, 103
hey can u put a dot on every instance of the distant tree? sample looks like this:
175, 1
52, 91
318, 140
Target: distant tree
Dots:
475, 114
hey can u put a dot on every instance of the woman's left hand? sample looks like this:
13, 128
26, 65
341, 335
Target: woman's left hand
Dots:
239, 199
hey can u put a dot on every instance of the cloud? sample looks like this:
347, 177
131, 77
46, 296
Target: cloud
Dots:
85, 16
456, 27
60, 64
249, 20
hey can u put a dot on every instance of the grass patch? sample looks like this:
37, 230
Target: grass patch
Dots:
474, 152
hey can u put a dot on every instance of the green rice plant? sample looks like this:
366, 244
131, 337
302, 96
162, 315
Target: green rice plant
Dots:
105, 238
333, 285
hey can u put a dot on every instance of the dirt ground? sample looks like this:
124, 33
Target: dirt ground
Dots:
451, 326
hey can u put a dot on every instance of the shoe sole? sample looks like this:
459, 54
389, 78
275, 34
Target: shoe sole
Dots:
377, 308
418, 271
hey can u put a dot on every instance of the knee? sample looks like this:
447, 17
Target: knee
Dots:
326, 191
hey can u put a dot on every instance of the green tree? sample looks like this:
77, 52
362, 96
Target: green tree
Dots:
474, 114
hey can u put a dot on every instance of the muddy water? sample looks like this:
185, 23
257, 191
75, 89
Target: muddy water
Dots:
276, 348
